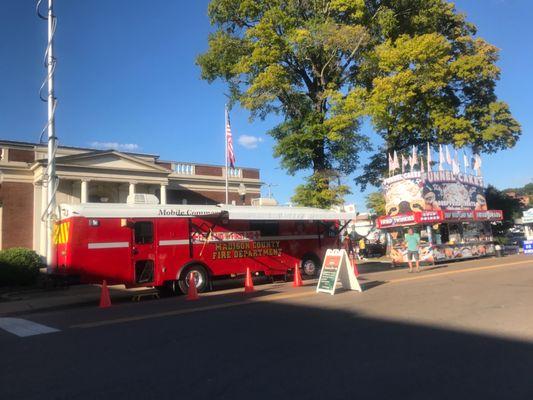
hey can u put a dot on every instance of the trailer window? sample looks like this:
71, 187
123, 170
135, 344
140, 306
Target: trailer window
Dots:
267, 228
144, 232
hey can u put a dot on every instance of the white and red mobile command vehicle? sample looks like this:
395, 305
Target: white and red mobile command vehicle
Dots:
161, 245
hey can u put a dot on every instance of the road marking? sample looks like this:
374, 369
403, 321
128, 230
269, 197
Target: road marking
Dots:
196, 309
23, 327
268, 298
460, 271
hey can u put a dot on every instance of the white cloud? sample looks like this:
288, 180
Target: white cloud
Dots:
115, 146
249, 142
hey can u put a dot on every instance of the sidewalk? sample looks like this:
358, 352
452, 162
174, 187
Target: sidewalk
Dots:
372, 273
50, 299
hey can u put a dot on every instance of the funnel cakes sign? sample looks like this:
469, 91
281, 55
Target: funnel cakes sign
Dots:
433, 191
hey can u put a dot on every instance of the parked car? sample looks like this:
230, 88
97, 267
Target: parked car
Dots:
515, 239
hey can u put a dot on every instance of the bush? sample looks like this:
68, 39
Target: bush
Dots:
19, 266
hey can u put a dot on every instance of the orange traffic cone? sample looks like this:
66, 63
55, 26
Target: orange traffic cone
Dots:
105, 300
297, 277
192, 293
248, 282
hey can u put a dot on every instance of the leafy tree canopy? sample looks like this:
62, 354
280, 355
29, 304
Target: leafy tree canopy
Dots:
375, 202
526, 190
413, 67
498, 200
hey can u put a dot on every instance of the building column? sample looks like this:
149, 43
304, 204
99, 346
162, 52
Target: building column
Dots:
163, 194
131, 192
84, 196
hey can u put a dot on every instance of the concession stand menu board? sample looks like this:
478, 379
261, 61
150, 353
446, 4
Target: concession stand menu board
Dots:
448, 210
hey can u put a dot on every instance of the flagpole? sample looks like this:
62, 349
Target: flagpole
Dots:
226, 147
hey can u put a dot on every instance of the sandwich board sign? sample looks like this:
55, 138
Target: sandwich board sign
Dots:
337, 267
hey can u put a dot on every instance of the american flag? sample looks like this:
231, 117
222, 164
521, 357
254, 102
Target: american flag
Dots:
229, 143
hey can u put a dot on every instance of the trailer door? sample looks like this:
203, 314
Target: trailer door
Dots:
143, 251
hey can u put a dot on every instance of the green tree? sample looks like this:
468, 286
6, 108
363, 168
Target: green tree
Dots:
498, 200
375, 202
412, 66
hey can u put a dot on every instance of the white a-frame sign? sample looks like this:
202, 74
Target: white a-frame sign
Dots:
337, 267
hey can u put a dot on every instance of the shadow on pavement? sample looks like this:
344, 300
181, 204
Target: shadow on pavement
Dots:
267, 351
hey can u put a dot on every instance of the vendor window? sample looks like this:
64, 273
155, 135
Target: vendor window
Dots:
444, 233
455, 233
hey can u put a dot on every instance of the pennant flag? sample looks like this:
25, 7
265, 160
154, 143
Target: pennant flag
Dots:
465, 161
477, 164
422, 165
455, 163
230, 154
428, 157
391, 163
404, 163
415, 156
448, 156
441, 158
396, 161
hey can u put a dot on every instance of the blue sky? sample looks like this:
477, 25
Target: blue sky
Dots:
126, 75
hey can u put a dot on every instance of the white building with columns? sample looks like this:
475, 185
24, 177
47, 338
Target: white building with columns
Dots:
103, 176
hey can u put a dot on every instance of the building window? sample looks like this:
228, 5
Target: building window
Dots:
266, 228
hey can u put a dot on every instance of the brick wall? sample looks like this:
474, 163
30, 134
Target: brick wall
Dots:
250, 173
208, 170
17, 214
164, 164
21, 155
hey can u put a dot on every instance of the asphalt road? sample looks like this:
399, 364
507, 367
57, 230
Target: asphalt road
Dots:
459, 331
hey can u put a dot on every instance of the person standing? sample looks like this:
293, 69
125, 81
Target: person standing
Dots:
348, 245
412, 241
362, 248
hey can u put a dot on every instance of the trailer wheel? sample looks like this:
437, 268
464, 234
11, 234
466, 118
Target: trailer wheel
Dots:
310, 266
200, 277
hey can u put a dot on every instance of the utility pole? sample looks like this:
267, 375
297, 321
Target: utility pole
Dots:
51, 176
269, 186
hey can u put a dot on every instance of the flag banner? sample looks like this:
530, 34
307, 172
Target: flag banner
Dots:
230, 154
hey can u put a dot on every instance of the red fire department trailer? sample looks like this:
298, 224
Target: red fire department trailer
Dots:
161, 245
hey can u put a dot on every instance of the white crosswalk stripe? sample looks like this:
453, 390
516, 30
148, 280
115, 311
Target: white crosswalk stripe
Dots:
23, 327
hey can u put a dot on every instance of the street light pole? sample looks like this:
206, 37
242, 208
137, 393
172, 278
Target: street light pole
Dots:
51, 175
